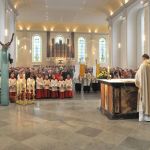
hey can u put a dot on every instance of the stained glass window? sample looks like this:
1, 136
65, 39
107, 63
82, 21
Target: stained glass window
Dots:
102, 50
81, 49
36, 48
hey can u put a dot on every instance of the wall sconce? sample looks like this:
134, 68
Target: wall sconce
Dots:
119, 45
44, 28
18, 42
25, 47
6, 32
20, 27
28, 28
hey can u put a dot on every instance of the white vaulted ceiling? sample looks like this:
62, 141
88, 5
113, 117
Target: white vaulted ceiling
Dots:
70, 14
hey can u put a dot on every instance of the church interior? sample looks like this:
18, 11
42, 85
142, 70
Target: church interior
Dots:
69, 74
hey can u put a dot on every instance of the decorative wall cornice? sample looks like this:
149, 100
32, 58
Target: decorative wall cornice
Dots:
122, 9
9, 2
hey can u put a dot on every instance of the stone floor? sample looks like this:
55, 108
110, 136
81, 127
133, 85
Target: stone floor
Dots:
73, 124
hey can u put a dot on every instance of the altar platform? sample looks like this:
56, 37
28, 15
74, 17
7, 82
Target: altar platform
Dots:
119, 98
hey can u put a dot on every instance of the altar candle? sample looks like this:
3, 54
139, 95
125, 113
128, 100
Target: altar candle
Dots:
108, 70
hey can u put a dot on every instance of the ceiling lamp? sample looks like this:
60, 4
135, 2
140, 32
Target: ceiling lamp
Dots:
111, 13
15, 6
52, 29
28, 28
67, 29
20, 28
44, 28
142, 2
96, 31
89, 30
74, 30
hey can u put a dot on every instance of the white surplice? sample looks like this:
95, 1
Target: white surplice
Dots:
143, 83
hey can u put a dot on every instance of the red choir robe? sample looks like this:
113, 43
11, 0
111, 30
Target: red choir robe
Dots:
61, 85
39, 88
12, 89
30, 89
57, 76
69, 91
21, 89
54, 88
47, 88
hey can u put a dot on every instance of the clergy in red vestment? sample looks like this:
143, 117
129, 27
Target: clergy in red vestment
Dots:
57, 75
12, 87
69, 91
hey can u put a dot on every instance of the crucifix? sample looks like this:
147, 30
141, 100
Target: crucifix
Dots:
4, 99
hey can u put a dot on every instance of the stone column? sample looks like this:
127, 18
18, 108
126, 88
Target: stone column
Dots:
147, 27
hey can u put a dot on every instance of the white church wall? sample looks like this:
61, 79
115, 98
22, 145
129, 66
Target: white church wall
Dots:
147, 27
125, 33
24, 57
2, 20
24, 49
132, 39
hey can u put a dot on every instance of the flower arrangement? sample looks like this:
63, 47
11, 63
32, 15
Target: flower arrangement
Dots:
103, 74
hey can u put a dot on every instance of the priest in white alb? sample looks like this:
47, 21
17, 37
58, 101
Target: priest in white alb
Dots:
143, 83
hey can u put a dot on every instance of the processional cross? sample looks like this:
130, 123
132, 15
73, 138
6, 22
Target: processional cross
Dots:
4, 65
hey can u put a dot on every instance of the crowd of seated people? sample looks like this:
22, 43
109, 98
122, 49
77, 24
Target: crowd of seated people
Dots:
120, 73
40, 83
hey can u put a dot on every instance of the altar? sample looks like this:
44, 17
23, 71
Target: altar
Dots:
119, 98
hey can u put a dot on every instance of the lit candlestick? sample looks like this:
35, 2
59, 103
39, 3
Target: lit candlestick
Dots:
108, 72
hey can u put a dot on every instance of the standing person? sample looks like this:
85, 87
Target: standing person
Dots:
12, 87
47, 87
39, 86
61, 85
54, 87
143, 83
94, 83
86, 82
30, 88
21, 87
69, 91
78, 84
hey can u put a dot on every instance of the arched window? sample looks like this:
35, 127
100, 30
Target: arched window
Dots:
59, 38
102, 50
36, 48
81, 49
